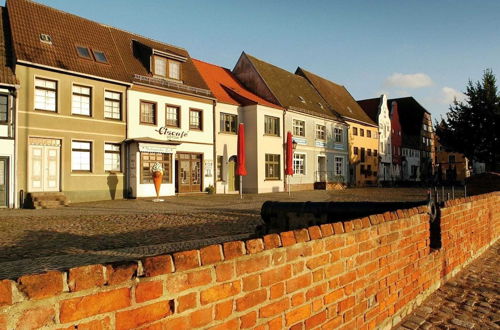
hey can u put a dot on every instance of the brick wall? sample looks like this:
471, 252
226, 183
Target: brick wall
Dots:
362, 274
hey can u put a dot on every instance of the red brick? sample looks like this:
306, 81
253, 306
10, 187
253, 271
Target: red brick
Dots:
250, 300
252, 265
158, 265
229, 325
186, 260
5, 292
224, 272
145, 291
301, 235
297, 315
254, 245
248, 320
37, 318
333, 323
318, 261
298, 251
274, 308
287, 238
233, 249
78, 308
358, 224
316, 320
366, 222
334, 296
348, 226
211, 254
276, 275
277, 290
298, 299
338, 228
220, 292
3, 322
178, 323
101, 324
278, 258
136, 317
85, 277
224, 309
318, 275
275, 324
334, 269
186, 302
314, 232
316, 291
272, 241
251, 282
349, 251
119, 273
42, 285
298, 283
346, 304
183, 281
201, 317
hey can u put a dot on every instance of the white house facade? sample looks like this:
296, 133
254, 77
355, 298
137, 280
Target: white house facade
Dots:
385, 149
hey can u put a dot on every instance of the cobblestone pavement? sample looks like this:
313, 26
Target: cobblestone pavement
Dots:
470, 300
84, 233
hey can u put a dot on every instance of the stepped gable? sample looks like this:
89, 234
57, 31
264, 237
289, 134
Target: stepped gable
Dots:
291, 90
337, 96
6, 72
371, 107
226, 87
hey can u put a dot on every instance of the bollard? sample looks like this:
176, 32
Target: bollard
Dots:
442, 193
447, 196
452, 192
465, 190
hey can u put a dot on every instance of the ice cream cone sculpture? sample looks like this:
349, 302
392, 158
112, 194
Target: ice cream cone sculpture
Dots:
157, 172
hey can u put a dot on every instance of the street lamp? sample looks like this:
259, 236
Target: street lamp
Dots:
294, 144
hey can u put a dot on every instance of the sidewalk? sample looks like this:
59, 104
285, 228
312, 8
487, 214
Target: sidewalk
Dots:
470, 300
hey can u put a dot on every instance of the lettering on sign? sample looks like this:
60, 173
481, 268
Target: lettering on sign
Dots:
171, 134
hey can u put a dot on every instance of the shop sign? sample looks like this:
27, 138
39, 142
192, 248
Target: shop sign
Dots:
338, 146
155, 149
171, 134
300, 140
320, 143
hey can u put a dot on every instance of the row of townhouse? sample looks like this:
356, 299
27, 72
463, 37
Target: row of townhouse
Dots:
87, 109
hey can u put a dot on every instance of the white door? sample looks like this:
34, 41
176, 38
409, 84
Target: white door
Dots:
44, 168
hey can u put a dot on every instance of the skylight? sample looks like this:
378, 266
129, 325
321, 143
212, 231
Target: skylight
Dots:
46, 38
83, 52
100, 56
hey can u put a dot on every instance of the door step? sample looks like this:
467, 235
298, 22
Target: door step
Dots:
45, 200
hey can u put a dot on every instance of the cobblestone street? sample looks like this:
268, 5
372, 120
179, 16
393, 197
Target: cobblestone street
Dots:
470, 300
84, 233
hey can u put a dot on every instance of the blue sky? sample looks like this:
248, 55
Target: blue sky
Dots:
427, 49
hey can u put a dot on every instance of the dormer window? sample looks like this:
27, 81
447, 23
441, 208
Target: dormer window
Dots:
83, 52
167, 68
100, 56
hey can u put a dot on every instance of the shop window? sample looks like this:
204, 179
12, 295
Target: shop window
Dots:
299, 163
81, 156
320, 132
81, 100
195, 119
299, 127
272, 167
4, 108
173, 114
112, 157
228, 123
112, 105
147, 162
338, 132
45, 94
148, 113
271, 126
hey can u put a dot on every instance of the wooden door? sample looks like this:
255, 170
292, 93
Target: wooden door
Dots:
36, 167
51, 182
189, 172
44, 168
196, 175
4, 182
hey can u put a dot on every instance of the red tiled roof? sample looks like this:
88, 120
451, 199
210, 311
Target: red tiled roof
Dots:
6, 73
226, 87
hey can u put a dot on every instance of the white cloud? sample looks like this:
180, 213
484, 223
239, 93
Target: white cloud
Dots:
415, 80
449, 94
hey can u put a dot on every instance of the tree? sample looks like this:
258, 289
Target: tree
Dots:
472, 126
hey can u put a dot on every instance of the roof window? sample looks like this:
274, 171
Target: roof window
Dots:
100, 56
83, 52
46, 38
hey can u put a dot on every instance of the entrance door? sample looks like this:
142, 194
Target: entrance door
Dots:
321, 169
4, 182
44, 168
188, 174
233, 182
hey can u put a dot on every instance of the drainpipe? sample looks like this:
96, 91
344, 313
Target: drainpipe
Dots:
16, 202
285, 177
214, 164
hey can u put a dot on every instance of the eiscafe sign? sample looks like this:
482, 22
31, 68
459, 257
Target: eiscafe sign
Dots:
171, 134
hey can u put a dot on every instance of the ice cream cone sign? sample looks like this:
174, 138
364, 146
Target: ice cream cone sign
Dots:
157, 172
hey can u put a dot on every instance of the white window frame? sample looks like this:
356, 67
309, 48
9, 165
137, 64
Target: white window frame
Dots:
299, 163
77, 98
342, 167
110, 96
109, 162
299, 127
76, 152
43, 94
320, 131
338, 135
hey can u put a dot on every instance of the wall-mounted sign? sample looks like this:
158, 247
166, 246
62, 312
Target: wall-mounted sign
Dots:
338, 146
171, 134
155, 148
300, 140
320, 143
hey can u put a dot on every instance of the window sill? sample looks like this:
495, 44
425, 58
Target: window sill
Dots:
272, 135
114, 119
147, 124
195, 129
80, 115
228, 133
46, 110
272, 179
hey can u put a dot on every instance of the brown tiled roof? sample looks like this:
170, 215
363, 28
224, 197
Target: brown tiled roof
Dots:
29, 19
370, 106
128, 54
6, 73
289, 88
337, 97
